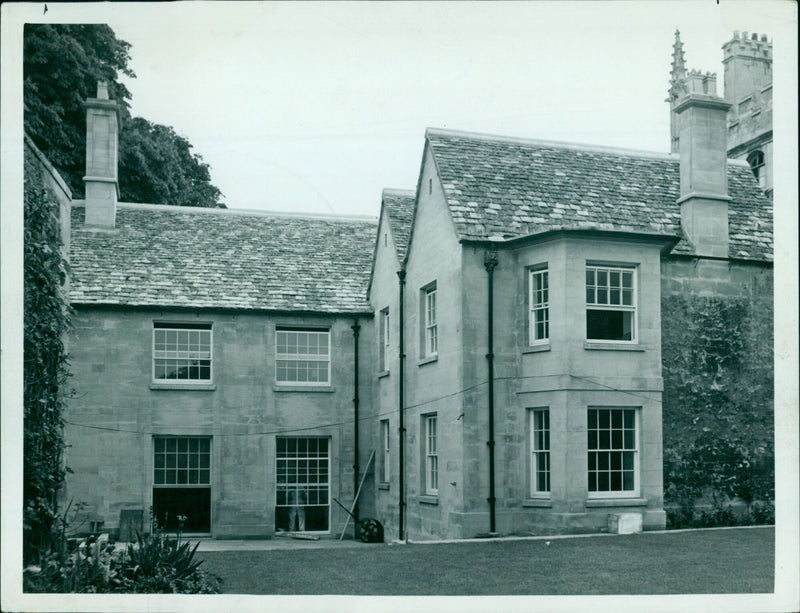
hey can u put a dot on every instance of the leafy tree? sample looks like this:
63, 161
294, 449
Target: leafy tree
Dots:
62, 64
157, 165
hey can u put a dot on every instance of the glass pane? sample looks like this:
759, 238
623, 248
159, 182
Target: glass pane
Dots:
604, 418
630, 439
602, 482
616, 419
602, 461
627, 460
171, 444
158, 444
627, 279
616, 482
628, 481
592, 419
616, 439
630, 418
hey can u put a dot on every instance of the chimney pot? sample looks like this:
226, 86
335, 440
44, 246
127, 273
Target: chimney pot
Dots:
102, 90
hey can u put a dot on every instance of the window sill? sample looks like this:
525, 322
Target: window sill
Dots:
304, 388
537, 502
536, 348
428, 499
382, 374
611, 346
186, 387
428, 360
616, 502
383, 486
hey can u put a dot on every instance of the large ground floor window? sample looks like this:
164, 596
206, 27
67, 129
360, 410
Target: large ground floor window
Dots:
182, 483
302, 500
613, 452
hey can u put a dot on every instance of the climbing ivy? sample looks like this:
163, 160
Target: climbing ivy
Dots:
46, 322
718, 398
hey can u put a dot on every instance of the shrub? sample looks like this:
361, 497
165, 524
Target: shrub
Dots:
155, 564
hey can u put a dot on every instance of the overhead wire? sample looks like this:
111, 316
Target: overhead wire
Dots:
372, 416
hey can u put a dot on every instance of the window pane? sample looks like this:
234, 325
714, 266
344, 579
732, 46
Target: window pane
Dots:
628, 481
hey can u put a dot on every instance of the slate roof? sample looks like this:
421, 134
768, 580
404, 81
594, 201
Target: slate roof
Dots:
515, 187
186, 257
399, 205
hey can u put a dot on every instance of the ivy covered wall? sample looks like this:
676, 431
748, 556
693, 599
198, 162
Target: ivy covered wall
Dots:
717, 354
46, 321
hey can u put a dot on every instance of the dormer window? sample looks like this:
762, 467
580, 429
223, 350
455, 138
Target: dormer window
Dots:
756, 161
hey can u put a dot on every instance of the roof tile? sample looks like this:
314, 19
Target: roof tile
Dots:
193, 258
550, 185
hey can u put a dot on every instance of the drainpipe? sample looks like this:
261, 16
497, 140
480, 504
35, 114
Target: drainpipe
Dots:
490, 261
401, 274
356, 329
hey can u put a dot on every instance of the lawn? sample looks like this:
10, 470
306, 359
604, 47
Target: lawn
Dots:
695, 562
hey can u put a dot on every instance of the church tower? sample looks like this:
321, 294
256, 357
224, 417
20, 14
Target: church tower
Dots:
747, 61
748, 89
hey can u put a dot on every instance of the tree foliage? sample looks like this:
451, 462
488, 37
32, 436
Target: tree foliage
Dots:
62, 64
46, 322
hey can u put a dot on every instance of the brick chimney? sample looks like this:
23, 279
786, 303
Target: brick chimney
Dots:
102, 188
704, 165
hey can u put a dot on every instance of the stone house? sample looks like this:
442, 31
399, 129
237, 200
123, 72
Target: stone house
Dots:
492, 356
213, 359
532, 287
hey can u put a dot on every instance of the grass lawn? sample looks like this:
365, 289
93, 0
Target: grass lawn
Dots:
697, 562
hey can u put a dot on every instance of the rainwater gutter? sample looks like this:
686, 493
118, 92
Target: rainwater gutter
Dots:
401, 274
356, 329
490, 262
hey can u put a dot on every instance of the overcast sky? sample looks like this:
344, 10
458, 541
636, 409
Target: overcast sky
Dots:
317, 107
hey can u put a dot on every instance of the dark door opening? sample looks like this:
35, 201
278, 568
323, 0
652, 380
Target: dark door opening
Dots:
182, 483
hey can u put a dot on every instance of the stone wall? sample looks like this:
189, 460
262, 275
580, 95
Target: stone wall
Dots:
117, 410
717, 330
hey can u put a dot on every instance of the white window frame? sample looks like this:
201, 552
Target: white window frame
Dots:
187, 355
540, 452
596, 305
539, 301
431, 455
430, 325
384, 340
302, 357
188, 454
600, 466
288, 465
386, 469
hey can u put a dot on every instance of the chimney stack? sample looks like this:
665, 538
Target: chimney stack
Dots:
102, 188
702, 117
